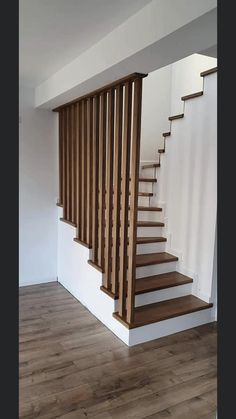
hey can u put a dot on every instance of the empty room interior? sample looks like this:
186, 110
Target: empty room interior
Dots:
118, 209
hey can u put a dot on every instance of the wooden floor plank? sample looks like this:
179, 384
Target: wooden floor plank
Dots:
72, 366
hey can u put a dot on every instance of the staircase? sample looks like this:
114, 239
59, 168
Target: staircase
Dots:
162, 296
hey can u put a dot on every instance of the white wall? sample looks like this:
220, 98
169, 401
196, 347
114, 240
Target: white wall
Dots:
160, 33
162, 92
156, 108
186, 78
37, 192
188, 187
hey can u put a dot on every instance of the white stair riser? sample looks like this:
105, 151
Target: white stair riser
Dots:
149, 231
150, 215
150, 248
168, 327
160, 268
145, 186
148, 172
162, 295
143, 201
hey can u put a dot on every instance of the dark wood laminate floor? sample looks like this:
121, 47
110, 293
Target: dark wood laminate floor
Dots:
72, 366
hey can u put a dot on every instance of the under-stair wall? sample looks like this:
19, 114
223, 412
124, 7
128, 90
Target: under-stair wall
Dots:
188, 187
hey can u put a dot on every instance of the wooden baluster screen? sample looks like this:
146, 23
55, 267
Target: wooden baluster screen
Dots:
99, 152
109, 188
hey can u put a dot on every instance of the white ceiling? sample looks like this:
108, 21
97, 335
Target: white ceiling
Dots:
54, 32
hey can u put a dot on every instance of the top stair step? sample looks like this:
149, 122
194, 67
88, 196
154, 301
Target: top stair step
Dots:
152, 313
207, 72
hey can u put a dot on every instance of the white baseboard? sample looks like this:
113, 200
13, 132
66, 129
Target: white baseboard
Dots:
37, 282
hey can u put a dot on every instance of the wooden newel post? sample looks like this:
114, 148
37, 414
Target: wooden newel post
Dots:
135, 158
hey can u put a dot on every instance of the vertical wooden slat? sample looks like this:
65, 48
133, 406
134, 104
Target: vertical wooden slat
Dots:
95, 179
77, 165
64, 165
137, 102
72, 163
67, 166
89, 170
75, 130
117, 189
64, 162
102, 178
109, 190
125, 199
69, 133
84, 172
60, 152
80, 170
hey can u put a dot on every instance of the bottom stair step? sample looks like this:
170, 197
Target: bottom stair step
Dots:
152, 313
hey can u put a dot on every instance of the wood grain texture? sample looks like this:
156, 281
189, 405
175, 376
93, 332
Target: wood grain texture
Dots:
79, 170
210, 71
89, 170
73, 164
109, 189
60, 155
161, 281
154, 259
72, 366
117, 188
156, 312
125, 198
115, 84
136, 132
151, 166
84, 173
95, 179
179, 116
192, 95
102, 177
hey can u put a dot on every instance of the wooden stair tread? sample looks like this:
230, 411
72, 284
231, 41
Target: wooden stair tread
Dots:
145, 260
151, 166
145, 223
140, 240
210, 71
171, 118
155, 283
166, 134
140, 208
146, 240
150, 224
145, 194
152, 313
145, 179
161, 281
68, 222
154, 259
139, 193
192, 96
